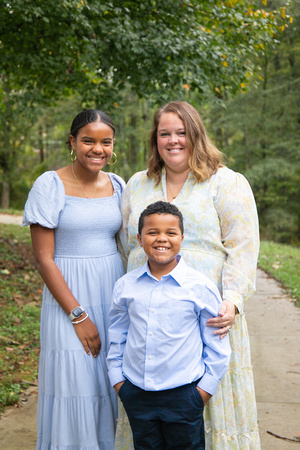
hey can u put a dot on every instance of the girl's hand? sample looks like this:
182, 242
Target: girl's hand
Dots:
89, 337
225, 320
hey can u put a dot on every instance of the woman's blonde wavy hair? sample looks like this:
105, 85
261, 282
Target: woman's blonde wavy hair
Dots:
205, 158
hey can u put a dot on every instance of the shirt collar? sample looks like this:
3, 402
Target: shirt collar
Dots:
178, 273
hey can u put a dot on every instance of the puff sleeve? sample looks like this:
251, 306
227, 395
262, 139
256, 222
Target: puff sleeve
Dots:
118, 185
45, 201
125, 209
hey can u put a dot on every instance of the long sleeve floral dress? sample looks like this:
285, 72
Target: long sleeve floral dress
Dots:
221, 240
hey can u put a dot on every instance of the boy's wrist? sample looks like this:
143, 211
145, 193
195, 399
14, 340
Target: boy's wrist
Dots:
208, 384
115, 375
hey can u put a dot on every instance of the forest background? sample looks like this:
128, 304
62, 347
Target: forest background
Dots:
236, 61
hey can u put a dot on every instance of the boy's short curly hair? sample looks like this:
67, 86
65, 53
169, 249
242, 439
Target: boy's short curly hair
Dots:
161, 207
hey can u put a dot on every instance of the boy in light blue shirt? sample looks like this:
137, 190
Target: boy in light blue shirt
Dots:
163, 361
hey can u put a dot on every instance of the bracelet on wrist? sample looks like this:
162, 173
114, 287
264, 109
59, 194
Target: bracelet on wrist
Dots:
82, 320
76, 313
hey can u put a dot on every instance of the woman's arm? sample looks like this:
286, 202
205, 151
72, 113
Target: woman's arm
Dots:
43, 250
237, 213
125, 210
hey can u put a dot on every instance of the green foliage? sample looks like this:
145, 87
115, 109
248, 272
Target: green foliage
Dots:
161, 48
20, 300
155, 45
259, 131
36, 146
45, 146
283, 263
9, 394
133, 119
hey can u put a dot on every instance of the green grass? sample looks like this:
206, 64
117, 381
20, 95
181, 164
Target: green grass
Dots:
15, 212
282, 262
20, 301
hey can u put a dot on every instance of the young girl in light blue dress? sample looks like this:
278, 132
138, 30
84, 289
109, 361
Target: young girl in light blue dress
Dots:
74, 217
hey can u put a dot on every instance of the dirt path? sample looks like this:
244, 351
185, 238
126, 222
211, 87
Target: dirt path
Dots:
7, 218
274, 328
18, 425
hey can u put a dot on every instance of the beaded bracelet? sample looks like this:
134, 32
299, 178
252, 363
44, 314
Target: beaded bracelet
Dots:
82, 320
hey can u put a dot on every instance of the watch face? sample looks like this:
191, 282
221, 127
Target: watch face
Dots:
77, 311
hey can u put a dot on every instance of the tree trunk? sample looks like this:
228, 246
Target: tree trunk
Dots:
41, 140
5, 195
133, 143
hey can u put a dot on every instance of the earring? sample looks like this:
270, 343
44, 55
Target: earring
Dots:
116, 159
73, 159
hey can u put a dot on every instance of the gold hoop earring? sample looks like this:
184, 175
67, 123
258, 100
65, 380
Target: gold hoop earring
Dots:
116, 159
73, 159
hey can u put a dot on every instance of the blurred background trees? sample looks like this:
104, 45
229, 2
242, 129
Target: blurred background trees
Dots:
236, 61
259, 130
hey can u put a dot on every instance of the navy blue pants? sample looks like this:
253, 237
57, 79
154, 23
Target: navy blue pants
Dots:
164, 420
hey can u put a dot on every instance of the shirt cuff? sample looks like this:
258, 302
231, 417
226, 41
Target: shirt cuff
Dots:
235, 298
208, 384
116, 376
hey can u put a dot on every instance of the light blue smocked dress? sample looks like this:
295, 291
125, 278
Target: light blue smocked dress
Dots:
77, 408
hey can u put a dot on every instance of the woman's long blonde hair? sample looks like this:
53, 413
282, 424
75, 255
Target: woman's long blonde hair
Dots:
205, 158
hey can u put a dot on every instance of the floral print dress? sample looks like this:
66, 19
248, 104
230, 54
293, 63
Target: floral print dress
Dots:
221, 240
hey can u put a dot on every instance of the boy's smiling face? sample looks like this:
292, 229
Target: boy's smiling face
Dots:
161, 240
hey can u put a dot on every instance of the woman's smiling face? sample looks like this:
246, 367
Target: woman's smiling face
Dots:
172, 142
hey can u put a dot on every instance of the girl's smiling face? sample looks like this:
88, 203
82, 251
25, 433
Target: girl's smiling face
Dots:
172, 143
93, 145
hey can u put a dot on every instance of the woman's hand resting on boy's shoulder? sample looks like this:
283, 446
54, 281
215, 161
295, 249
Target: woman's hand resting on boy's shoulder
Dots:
225, 320
204, 395
117, 386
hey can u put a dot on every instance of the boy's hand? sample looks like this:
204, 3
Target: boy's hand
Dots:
117, 386
205, 395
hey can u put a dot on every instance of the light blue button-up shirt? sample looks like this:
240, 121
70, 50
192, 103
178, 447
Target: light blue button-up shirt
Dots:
158, 334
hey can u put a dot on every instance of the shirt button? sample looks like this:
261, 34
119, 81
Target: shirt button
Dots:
151, 334
150, 357
153, 310
148, 379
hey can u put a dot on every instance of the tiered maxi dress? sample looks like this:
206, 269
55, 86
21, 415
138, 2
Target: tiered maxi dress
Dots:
221, 240
77, 408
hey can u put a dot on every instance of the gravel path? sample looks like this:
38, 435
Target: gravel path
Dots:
7, 218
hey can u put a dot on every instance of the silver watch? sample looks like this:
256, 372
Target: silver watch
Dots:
77, 312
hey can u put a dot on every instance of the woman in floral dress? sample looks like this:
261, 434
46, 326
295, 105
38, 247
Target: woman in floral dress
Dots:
221, 241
